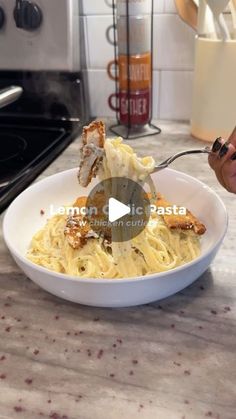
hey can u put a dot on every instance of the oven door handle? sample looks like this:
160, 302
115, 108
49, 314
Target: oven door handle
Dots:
14, 179
10, 95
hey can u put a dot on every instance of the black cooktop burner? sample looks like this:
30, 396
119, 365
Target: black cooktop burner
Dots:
26, 150
11, 146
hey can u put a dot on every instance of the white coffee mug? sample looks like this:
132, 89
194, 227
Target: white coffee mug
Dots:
139, 34
136, 7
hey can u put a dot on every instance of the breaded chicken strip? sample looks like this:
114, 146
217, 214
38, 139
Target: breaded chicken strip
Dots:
92, 151
179, 221
77, 229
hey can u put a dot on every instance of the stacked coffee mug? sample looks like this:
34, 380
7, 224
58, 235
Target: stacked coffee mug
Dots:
134, 63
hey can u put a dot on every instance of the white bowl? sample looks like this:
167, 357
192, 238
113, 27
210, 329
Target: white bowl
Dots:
23, 219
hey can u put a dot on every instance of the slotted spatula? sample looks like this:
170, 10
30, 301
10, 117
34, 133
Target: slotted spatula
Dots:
217, 7
205, 24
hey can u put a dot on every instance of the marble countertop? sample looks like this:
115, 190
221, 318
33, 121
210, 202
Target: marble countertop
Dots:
174, 359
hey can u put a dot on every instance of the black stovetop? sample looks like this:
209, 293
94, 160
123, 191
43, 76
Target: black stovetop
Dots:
36, 128
27, 148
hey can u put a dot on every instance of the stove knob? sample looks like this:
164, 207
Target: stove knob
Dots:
2, 17
27, 15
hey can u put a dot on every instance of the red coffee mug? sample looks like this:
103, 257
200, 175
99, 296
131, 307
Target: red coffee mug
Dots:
133, 108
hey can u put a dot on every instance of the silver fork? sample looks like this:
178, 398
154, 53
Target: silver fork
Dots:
91, 149
171, 159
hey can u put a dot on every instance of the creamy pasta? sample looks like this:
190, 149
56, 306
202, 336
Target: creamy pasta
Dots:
156, 249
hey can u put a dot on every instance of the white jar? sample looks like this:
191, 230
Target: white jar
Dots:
214, 89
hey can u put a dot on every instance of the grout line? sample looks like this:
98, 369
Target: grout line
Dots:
159, 94
170, 70
86, 38
110, 14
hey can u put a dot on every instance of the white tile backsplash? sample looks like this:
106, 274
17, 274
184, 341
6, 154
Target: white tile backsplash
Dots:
169, 6
100, 51
96, 7
104, 7
173, 43
100, 87
158, 6
173, 59
156, 95
176, 94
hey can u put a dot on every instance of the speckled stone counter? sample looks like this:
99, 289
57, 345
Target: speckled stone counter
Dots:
174, 359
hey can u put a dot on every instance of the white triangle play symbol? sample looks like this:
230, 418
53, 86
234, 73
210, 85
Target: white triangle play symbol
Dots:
117, 210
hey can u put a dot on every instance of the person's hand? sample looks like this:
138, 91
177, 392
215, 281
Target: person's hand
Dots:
223, 161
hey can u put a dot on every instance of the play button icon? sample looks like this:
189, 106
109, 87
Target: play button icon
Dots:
117, 210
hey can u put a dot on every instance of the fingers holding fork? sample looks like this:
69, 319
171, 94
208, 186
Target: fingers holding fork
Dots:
223, 161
